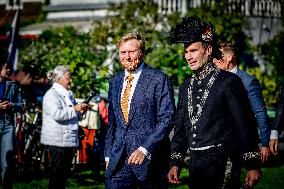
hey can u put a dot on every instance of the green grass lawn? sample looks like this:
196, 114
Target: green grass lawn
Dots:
272, 178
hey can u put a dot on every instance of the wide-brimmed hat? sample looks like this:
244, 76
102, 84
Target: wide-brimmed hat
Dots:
193, 29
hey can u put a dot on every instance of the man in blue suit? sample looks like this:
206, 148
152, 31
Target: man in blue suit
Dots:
141, 111
253, 88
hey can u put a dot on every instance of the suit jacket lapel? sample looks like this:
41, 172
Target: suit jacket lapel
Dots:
141, 87
117, 100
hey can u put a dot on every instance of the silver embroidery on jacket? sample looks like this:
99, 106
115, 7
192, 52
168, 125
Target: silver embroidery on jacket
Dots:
228, 174
251, 155
195, 117
177, 156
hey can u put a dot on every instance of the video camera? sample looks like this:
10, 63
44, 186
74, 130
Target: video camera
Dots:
89, 98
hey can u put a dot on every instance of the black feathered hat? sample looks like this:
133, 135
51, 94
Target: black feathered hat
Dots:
193, 29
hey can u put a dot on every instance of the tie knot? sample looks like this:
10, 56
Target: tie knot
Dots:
129, 78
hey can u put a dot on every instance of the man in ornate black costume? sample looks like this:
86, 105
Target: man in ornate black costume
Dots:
214, 119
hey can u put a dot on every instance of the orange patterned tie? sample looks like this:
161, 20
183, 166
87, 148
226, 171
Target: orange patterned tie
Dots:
125, 97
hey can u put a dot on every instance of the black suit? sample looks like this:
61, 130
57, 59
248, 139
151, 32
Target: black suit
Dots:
225, 130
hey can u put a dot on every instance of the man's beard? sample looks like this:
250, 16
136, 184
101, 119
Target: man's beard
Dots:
133, 66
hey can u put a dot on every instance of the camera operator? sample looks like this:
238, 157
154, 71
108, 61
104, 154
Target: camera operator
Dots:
10, 102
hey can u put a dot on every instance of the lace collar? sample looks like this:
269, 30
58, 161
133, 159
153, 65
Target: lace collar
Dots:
206, 70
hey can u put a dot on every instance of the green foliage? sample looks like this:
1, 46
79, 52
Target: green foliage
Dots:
229, 27
81, 52
65, 46
171, 61
269, 85
272, 177
272, 52
143, 16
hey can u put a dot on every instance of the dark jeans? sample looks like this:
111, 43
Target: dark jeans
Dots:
60, 165
122, 183
6, 147
207, 170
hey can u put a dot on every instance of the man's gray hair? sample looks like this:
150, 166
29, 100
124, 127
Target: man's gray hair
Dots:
55, 74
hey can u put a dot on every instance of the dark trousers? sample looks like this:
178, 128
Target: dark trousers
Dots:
207, 170
125, 178
133, 183
60, 165
6, 149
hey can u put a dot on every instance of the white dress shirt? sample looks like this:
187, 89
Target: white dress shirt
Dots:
234, 70
274, 134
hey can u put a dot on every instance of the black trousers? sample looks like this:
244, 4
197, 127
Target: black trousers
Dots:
213, 169
60, 165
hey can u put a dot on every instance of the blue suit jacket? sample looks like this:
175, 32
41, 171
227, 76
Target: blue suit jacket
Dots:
150, 117
254, 90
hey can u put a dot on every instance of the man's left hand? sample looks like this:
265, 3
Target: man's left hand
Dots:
253, 176
137, 157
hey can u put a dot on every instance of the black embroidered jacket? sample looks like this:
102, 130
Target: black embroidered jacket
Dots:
215, 110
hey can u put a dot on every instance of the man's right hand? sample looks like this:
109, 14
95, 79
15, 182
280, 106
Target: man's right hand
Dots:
173, 175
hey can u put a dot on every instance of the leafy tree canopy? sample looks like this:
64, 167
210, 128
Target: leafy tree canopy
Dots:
86, 53
143, 16
65, 46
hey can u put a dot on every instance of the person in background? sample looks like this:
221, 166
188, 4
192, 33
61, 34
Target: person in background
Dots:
214, 119
60, 125
278, 124
10, 102
141, 112
228, 62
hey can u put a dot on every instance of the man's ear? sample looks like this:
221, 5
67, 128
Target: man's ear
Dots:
230, 58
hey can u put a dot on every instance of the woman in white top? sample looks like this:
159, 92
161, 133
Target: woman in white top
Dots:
60, 125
